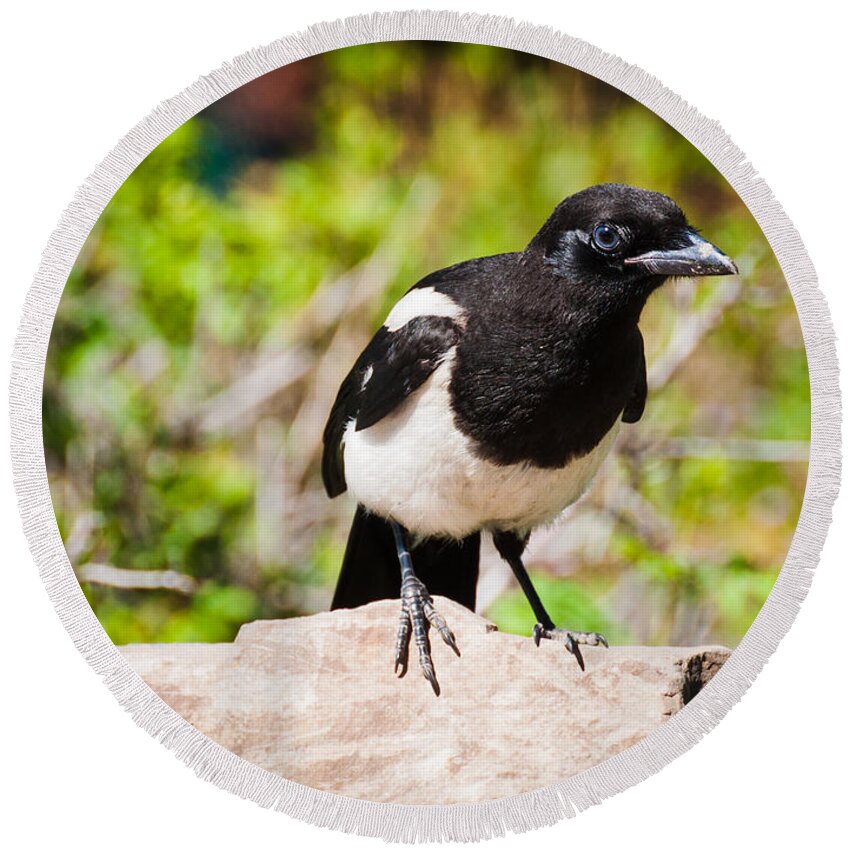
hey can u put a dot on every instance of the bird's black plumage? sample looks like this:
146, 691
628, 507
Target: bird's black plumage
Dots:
544, 357
370, 567
536, 353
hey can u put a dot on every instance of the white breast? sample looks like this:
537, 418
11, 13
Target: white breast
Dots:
416, 467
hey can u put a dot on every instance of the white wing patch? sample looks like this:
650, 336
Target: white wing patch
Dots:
422, 302
367, 374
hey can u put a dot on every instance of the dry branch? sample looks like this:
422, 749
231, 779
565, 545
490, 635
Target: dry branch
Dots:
136, 579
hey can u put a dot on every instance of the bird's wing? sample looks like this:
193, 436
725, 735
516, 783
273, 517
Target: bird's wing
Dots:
394, 364
637, 402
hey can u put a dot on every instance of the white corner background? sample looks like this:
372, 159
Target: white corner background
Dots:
76, 771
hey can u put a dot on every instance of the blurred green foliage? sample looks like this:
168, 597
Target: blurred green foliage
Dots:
212, 258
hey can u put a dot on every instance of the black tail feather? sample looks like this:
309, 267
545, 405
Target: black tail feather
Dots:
370, 568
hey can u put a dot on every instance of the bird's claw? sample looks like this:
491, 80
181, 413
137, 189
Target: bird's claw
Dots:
417, 615
402, 642
571, 640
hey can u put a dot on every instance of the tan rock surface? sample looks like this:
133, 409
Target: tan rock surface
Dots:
314, 699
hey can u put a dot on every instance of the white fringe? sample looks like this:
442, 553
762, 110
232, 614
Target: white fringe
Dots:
477, 821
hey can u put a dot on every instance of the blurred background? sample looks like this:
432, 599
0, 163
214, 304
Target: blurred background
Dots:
235, 276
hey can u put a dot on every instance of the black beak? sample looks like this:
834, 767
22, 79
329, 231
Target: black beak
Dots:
698, 257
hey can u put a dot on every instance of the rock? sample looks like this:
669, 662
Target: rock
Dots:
314, 699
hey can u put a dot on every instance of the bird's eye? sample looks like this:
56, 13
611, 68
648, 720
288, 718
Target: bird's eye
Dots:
606, 238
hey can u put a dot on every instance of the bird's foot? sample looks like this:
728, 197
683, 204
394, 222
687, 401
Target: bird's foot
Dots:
570, 639
417, 615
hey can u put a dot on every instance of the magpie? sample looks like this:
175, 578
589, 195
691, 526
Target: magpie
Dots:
488, 399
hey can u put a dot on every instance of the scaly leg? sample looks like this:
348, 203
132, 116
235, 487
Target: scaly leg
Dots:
511, 547
417, 614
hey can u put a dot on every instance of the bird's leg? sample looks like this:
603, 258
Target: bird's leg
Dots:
511, 547
417, 614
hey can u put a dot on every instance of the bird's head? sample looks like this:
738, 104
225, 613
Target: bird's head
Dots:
631, 239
